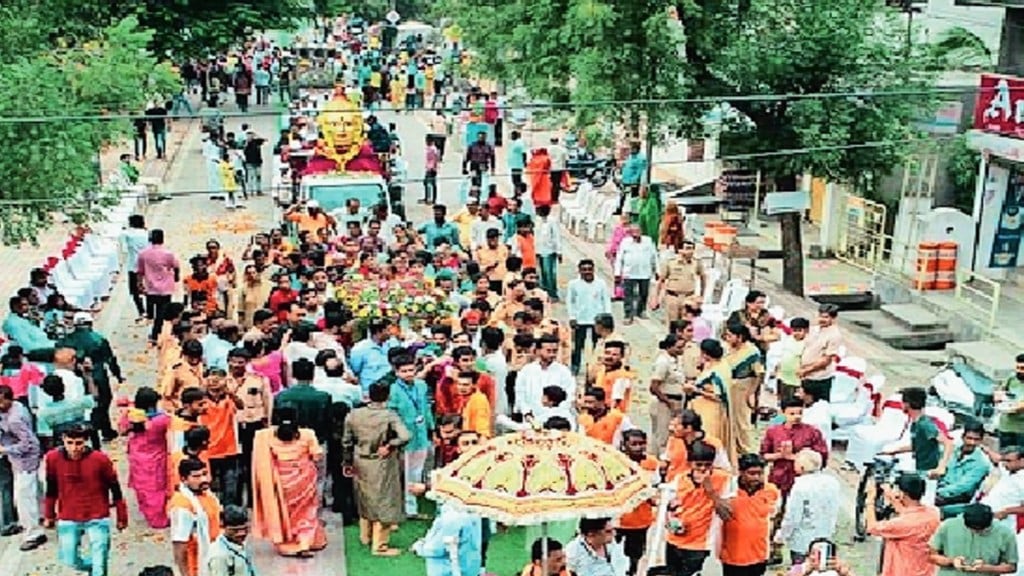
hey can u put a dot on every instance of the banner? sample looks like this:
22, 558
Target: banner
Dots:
999, 107
1006, 245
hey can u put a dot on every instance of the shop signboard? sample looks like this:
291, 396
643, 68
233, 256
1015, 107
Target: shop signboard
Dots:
1009, 228
999, 108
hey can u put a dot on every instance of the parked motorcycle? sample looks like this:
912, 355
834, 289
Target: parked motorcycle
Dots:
965, 392
583, 164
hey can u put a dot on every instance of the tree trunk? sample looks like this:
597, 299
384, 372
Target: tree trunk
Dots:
792, 242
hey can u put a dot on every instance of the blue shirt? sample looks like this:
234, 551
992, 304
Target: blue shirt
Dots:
456, 526
432, 231
421, 80
412, 405
133, 241
261, 77
26, 334
964, 474
634, 169
516, 155
215, 351
369, 361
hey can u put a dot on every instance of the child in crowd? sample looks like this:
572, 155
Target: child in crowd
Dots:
789, 359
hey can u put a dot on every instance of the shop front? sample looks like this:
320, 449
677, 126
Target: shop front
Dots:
999, 198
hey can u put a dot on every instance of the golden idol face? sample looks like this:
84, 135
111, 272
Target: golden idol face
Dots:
342, 125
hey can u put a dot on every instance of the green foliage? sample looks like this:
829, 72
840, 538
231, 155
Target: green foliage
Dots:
795, 47
575, 51
184, 28
962, 170
50, 165
960, 49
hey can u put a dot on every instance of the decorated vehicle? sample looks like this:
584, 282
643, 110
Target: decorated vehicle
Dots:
340, 164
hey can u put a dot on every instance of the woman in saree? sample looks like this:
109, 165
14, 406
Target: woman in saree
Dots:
648, 212
745, 362
670, 231
619, 233
371, 450
286, 494
709, 395
538, 171
146, 427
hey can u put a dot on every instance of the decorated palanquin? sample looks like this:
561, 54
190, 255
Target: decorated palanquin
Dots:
541, 476
343, 146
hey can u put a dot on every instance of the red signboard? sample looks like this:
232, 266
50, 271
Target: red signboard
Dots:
999, 107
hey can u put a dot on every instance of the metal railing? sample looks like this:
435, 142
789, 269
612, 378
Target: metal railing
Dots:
980, 293
899, 262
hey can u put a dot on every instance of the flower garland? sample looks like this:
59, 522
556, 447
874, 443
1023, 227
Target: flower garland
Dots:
411, 299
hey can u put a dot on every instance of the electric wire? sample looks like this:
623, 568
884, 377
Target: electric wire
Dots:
463, 178
861, 95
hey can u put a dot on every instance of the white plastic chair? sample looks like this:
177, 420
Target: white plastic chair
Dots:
102, 248
708, 292
588, 200
772, 358
866, 440
94, 271
715, 313
600, 220
78, 293
737, 296
577, 201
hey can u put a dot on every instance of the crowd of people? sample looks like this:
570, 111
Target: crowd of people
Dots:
337, 359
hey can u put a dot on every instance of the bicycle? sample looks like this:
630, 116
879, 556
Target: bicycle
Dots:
880, 471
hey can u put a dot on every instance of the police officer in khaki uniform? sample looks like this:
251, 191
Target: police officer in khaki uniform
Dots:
667, 380
678, 280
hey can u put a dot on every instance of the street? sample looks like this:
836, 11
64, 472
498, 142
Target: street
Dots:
189, 220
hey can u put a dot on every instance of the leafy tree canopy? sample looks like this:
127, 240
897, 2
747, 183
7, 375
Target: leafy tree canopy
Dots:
49, 160
579, 51
842, 46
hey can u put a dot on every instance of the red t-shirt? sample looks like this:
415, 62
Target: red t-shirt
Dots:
84, 487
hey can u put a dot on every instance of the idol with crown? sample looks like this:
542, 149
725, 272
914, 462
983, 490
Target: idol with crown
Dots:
343, 146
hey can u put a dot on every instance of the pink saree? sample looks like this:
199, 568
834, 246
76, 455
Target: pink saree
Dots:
147, 469
286, 493
618, 234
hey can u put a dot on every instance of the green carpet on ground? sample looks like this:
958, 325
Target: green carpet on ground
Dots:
506, 553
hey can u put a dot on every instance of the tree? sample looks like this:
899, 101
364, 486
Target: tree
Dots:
805, 48
52, 104
580, 52
183, 28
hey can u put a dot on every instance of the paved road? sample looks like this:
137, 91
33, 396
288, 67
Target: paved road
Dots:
189, 221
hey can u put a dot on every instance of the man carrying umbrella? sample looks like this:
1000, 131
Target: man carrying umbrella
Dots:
88, 343
454, 544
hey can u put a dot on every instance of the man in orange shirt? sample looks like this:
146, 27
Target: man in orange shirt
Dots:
476, 410
746, 535
614, 377
220, 417
633, 526
599, 422
701, 494
684, 431
310, 221
906, 536
195, 518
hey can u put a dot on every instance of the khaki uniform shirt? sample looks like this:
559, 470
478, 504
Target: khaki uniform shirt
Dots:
680, 276
255, 406
668, 370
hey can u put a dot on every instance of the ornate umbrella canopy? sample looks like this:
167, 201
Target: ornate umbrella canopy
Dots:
542, 476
